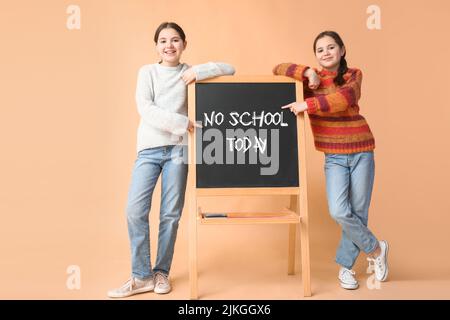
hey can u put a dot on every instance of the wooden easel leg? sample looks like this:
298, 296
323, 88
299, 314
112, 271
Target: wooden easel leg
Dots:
306, 273
293, 205
301, 208
291, 249
193, 275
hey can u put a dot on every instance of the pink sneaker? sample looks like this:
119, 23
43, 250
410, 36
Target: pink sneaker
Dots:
131, 287
347, 279
380, 263
162, 283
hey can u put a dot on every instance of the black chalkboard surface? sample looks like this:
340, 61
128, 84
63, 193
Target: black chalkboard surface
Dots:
247, 140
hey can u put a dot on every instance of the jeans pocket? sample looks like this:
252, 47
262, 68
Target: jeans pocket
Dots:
330, 157
179, 154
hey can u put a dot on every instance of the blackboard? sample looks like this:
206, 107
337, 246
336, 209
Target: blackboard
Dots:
247, 140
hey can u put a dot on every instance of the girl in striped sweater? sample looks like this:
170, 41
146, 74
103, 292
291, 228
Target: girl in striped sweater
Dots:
331, 101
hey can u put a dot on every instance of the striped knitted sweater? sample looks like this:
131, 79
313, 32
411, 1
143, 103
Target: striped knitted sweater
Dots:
333, 110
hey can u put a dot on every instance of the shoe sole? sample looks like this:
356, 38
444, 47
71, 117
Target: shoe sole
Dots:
162, 291
386, 261
138, 291
349, 286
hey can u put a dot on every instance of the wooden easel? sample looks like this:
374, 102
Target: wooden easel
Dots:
295, 214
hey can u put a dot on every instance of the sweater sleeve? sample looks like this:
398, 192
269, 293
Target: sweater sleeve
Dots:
345, 96
153, 115
292, 70
212, 69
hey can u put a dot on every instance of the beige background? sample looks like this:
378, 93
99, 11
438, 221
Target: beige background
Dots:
68, 133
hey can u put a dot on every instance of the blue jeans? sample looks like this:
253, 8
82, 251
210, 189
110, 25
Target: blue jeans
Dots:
150, 163
349, 179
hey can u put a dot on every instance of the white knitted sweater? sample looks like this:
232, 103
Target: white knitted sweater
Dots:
161, 98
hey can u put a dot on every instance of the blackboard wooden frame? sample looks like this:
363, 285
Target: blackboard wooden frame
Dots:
295, 215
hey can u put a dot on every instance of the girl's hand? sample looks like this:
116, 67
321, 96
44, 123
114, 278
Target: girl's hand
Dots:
313, 79
296, 107
189, 76
192, 126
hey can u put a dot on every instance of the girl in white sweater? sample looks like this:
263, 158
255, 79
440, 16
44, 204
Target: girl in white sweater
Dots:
161, 102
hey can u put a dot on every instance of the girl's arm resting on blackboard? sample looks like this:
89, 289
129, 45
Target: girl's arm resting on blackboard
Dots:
153, 115
296, 71
212, 69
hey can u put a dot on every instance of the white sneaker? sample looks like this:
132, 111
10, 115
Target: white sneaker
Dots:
347, 279
162, 283
131, 287
380, 263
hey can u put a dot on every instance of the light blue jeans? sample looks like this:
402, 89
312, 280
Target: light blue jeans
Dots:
150, 163
349, 179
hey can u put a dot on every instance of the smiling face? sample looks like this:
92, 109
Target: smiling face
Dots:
328, 53
170, 46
